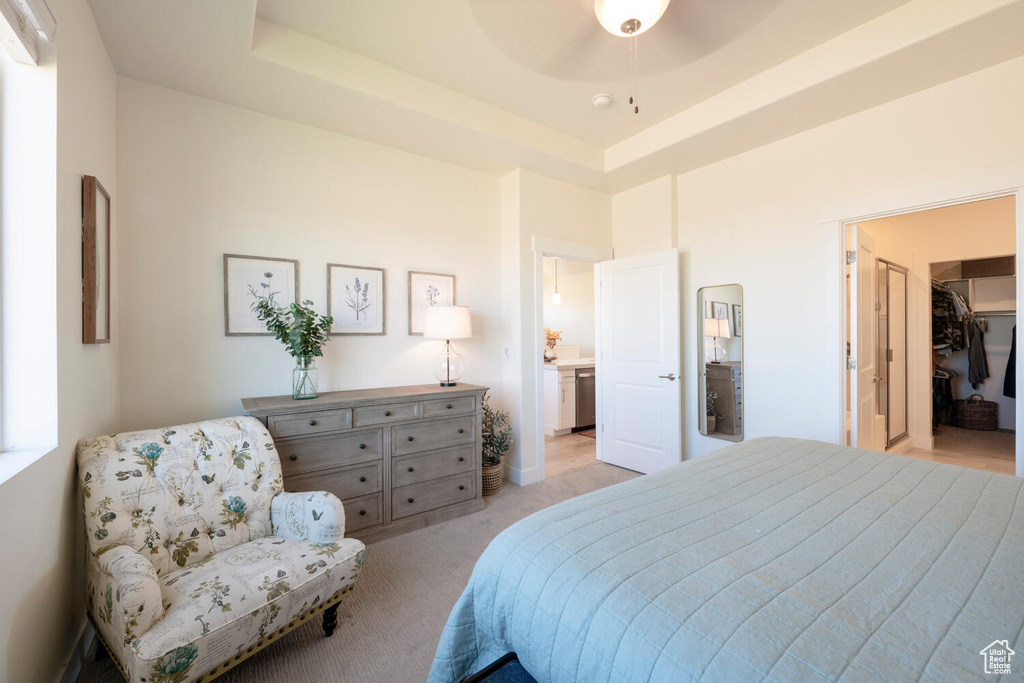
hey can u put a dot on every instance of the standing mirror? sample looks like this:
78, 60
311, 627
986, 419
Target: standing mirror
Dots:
720, 369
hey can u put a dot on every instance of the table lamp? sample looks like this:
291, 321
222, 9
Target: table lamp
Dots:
448, 323
719, 329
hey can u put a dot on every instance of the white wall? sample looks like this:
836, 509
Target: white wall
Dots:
199, 179
42, 610
955, 233
575, 315
644, 218
756, 218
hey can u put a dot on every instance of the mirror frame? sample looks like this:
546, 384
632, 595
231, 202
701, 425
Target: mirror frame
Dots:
92, 291
702, 369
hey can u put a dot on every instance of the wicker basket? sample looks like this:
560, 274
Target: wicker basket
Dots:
976, 413
493, 476
712, 420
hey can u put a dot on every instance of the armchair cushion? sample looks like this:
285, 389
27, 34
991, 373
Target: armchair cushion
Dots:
235, 597
130, 597
316, 517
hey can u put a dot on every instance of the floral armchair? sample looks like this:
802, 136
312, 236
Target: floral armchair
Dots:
195, 557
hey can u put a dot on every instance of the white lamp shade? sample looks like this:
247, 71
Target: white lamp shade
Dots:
716, 327
614, 13
448, 322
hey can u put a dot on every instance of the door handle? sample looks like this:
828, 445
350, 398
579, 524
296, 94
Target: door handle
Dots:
671, 377
876, 379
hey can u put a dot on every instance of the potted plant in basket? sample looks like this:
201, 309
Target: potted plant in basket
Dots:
712, 416
497, 440
303, 332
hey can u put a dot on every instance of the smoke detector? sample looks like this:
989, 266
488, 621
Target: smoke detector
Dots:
602, 100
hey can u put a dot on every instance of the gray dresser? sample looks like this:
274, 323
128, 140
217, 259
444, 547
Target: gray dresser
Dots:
399, 458
726, 379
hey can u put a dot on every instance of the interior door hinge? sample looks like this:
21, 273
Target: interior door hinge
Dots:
851, 257
851, 363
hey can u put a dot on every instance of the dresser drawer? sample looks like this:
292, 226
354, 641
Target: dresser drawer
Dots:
350, 482
410, 500
304, 424
430, 436
362, 512
450, 406
385, 414
329, 452
413, 469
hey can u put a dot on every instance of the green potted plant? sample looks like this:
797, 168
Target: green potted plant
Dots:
303, 332
712, 416
497, 440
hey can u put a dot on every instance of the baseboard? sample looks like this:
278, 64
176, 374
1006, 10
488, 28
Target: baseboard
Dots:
522, 477
74, 666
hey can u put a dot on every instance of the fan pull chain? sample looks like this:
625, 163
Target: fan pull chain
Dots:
634, 74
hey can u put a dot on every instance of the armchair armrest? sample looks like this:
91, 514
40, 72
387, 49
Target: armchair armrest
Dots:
131, 598
316, 517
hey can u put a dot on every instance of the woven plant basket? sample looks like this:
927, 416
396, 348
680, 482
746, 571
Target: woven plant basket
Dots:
712, 423
493, 476
976, 413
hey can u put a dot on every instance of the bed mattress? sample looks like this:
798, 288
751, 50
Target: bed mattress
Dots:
775, 559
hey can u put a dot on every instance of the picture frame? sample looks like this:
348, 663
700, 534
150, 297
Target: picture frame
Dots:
719, 310
261, 273
95, 262
427, 289
737, 320
356, 299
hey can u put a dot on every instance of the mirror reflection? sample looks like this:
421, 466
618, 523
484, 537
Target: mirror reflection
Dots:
720, 387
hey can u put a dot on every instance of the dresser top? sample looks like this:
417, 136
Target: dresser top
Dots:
275, 405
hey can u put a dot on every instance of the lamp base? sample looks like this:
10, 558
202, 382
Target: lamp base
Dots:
449, 384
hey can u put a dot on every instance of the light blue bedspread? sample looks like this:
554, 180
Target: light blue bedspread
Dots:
776, 559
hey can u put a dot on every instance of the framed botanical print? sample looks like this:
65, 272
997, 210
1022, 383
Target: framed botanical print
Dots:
425, 290
355, 299
737, 320
95, 262
247, 276
719, 310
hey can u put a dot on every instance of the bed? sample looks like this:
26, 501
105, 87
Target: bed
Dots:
775, 559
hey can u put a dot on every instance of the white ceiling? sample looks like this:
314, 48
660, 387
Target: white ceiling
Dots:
499, 84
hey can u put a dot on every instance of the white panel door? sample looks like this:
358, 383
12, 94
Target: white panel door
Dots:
638, 387
863, 342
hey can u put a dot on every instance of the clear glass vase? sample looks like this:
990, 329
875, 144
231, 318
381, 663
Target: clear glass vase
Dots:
305, 379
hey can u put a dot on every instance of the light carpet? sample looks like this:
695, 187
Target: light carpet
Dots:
388, 628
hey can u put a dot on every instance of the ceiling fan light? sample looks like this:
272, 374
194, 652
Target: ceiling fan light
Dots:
618, 17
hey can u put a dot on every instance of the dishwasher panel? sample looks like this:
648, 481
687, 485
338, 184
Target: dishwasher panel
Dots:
586, 405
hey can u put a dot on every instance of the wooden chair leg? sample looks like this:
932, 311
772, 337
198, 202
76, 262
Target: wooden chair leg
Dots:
330, 620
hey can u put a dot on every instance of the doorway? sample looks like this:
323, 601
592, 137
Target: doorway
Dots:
936, 291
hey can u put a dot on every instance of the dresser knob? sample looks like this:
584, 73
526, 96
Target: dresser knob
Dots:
449, 406
312, 423
293, 457
410, 438
387, 413
362, 480
461, 487
462, 431
362, 513
362, 446
410, 500
461, 458
410, 469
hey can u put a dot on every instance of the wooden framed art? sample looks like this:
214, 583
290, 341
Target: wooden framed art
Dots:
737, 320
425, 290
355, 299
95, 262
245, 275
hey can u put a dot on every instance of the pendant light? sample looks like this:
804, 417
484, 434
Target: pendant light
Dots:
628, 19
556, 298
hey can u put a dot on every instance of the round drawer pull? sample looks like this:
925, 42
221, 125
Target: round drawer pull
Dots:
362, 513
387, 413
410, 438
410, 469
461, 458
293, 457
362, 480
461, 430
449, 406
461, 487
312, 423
410, 500
362, 446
